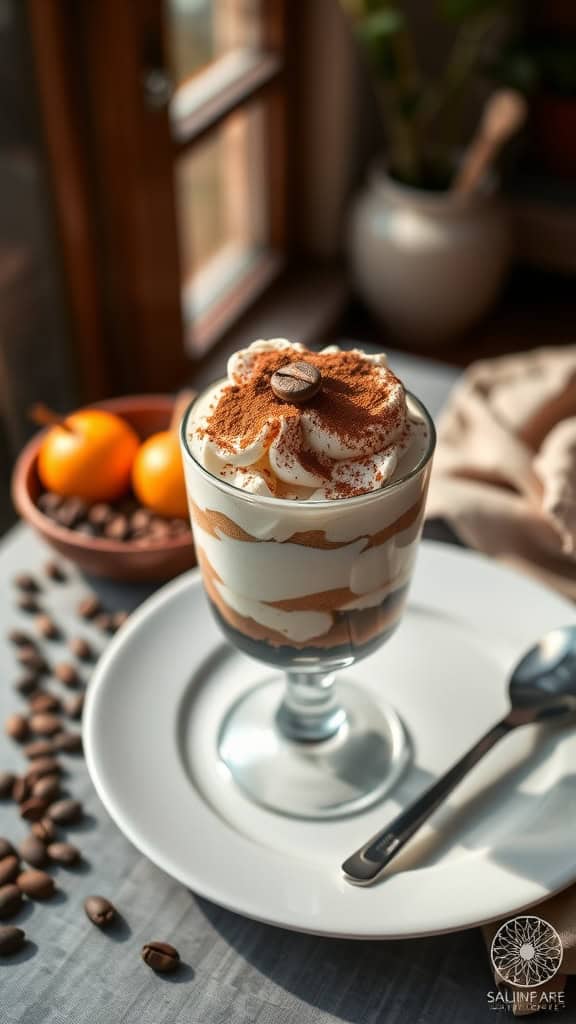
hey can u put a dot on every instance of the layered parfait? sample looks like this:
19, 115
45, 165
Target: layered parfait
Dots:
306, 476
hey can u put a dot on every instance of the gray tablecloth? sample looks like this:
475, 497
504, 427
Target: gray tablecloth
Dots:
237, 971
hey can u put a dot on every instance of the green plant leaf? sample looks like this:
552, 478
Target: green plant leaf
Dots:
382, 24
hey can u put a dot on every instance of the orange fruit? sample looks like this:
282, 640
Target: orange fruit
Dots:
90, 456
158, 476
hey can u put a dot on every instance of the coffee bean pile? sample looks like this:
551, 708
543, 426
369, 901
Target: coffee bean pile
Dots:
124, 520
44, 732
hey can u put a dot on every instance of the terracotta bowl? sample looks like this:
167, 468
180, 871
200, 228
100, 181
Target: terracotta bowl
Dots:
117, 560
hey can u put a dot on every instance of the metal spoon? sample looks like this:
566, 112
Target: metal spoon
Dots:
542, 687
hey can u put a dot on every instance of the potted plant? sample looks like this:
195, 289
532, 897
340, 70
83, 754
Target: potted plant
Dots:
427, 257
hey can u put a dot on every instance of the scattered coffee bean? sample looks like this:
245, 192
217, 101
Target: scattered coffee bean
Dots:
80, 648
42, 701
38, 748
7, 780
10, 901
11, 940
296, 382
31, 659
140, 519
117, 529
54, 571
9, 868
86, 529
119, 618
45, 830
105, 622
160, 956
34, 808
89, 607
47, 788
6, 848
21, 639
67, 674
27, 684
159, 530
74, 706
38, 885
20, 790
28, 603
17, 727
99, 910
99, 515
49, 503
65, 812
71, 511
47, 627
24, 581
45, 724
64, 853
33, 851
68, 742
42, 766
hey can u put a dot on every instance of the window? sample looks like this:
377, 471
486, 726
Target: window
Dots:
165, 122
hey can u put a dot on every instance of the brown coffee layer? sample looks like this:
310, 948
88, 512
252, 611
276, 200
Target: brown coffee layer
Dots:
217, 523
353, 628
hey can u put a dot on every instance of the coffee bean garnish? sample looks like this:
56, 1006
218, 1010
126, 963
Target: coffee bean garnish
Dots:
54, 570
71, 511
89, 607
117, 529
20, 790
100, 911
68, 742
9, 869
99, 515
45, 724
7, 780
65, 812
296, 382
28, 603
11, 940
34, 808
16, 727
47, 627
47, 788
160, 956
24, 581
44, 830
42, 701
38, 885
26, 684
80, 648
74, 706
33, 851
10, 901
64, 853
67, 674
6, 848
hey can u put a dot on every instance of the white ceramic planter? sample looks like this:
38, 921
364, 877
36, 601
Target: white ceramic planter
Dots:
427, 264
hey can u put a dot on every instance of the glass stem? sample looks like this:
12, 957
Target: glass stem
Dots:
310, 712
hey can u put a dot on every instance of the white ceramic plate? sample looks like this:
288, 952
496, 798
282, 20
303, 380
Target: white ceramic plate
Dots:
505, 839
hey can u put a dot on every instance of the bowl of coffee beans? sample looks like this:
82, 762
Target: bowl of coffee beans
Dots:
117, 536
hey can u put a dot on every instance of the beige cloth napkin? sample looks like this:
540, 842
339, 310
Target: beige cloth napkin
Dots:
505, 469
505, 479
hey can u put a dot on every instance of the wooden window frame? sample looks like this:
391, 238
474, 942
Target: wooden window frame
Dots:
112, 153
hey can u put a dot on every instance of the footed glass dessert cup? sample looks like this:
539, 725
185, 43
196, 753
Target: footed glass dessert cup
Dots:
306, 476
309, 588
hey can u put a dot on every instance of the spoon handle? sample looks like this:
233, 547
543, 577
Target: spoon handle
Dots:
367, 864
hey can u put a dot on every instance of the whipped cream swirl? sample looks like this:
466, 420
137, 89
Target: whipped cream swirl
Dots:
348, 440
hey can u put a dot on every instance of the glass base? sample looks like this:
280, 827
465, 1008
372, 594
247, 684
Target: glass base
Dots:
334, 778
